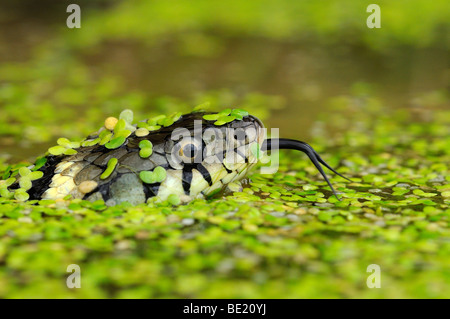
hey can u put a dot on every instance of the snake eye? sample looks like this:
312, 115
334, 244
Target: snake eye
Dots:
188, 150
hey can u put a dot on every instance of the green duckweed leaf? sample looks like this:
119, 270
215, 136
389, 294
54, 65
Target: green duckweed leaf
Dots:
145, 152
21, 195
211, 117
225, 112
202, 107
174, 199
36, 175
157, 120
91, 142
160, 174
7, 172
63, 141
123, 133
105, 138
70, 151
127, 116
39, 163
120, 126
224, 119
238, 113
176, 116
57, 150
24, 171
115, 142
10, 181
167, 122
25, 183
112, 163
145, 144
147, 177
5, 193
73, 145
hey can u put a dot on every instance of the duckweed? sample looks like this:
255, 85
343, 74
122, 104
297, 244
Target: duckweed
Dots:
67, 144
111, 166
147, 177
226, 116
127, 116
158, 175
57, 150
157, 119
141, 132
211, 117
174, 199
64, 147
116, 142
24, 171
202, 107
120, 126
21, 195
146, 148
105, 137
93, 142
169, 120
238, 113
146, 152
224, 119
148, 127
224, 112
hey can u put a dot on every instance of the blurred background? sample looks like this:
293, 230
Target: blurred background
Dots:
283, 58
373, 102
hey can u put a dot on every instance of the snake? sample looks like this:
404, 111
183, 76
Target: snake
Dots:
182, 156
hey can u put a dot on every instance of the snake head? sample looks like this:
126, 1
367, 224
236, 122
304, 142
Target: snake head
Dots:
198, 140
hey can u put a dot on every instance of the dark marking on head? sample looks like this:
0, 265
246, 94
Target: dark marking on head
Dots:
228, 170
186, 179
205, 173
151, 190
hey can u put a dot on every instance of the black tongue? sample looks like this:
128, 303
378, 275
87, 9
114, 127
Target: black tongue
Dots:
284, 143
